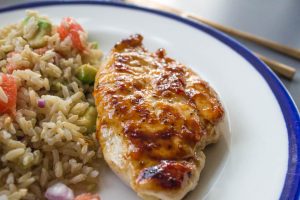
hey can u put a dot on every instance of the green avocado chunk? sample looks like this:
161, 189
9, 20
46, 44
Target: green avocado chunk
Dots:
25, 21
89, 120
94, 45
38, 40
86, 73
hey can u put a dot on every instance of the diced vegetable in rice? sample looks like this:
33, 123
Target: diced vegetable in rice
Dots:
8, 94
59, 191
49, 140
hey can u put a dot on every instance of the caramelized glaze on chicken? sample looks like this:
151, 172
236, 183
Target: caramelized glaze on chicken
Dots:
155, 116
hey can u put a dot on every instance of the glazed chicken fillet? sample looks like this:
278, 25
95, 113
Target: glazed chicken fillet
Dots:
155, 116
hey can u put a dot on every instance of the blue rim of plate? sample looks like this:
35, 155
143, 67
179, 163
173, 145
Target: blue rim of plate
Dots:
291, 189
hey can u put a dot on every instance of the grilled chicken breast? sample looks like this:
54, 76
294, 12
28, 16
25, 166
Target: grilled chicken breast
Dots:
155, 116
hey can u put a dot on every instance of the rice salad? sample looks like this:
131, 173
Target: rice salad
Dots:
47, 111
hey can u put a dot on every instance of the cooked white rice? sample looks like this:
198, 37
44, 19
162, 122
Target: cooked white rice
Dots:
42, 146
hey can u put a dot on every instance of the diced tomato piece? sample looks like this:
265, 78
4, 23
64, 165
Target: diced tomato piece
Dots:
9, 86
62, 31
76, 40
69, 27
73, 24
87, 196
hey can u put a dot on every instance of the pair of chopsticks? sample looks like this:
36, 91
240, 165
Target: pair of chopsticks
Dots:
280, 68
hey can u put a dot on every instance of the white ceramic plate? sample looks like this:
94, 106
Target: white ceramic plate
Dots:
258, 155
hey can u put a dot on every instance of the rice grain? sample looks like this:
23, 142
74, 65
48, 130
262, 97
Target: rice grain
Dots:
13, 154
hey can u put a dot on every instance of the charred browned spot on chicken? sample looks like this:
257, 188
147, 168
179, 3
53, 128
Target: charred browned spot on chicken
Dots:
155, 118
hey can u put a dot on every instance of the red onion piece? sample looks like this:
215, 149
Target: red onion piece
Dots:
59, 191
41, 103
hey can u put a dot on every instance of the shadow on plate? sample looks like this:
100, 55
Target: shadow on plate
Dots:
216, 158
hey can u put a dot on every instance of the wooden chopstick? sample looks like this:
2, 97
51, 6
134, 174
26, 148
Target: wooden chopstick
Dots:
278, 67
292, 52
